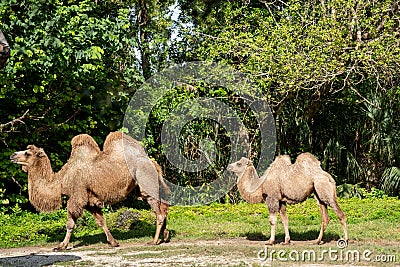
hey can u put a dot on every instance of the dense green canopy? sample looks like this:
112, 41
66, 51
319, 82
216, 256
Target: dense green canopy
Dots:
329, 69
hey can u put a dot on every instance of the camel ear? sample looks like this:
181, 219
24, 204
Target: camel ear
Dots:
249, 162
40, 153
30, 147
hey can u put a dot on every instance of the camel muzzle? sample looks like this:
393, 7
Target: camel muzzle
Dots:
229, 168
13, 158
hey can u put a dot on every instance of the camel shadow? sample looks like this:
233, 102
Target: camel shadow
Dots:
294, 236
37, 260
143, 230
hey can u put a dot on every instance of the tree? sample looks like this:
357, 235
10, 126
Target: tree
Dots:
321, 63
72, 68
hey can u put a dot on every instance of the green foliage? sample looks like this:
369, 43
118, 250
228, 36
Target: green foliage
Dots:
368, 219
73, 68
252, 221
328, 68
68, 71
349, 191
374, 193
391, 181
355, 191
201, 136
22, 228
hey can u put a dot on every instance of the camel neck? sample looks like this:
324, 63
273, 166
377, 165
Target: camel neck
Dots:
44, 188
42, 170
246, 187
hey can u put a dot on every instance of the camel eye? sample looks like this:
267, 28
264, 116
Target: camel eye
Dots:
27, 154
239, 164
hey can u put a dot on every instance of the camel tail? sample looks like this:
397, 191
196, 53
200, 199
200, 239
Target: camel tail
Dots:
161, 180
331, 180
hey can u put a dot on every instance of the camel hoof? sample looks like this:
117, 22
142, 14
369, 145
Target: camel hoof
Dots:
152, 243
166, 236
319, 242
113, 244
270, 242
286, 243
58, 249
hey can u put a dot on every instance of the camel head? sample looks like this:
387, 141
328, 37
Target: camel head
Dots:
28, 157
239, 167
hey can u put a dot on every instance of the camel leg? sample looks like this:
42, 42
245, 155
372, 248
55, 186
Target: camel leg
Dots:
164, 211
324, 219
71, 223
328, 197
342, 217
101, 222
285, 222
272, 221
273, 208
155, 206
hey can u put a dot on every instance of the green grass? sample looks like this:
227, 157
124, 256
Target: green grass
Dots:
369, 220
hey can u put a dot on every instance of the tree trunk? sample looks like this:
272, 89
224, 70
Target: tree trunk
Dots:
143, 22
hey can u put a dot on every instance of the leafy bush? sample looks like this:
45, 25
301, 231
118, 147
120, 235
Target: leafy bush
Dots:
22, 228
350, 191
374, 193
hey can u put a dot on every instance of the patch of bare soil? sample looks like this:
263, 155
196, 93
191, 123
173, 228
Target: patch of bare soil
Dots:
224, 252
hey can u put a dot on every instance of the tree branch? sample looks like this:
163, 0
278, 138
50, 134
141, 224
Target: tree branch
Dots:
14, 121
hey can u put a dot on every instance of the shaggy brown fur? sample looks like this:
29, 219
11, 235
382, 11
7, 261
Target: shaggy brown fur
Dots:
286, 183
93, 178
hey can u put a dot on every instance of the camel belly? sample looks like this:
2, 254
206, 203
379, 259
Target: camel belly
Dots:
292, 201
100, 199
110, 189
293, 194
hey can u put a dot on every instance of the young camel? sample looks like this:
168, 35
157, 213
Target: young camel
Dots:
93, 178
286, 183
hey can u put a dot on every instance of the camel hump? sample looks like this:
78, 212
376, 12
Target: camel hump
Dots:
112, 139
308, 159
84, 144
284, 159
281, 161
118, 141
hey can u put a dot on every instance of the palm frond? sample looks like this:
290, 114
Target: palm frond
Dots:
390, 181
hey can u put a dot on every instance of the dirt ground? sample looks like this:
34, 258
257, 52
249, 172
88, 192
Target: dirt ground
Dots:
224, 252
